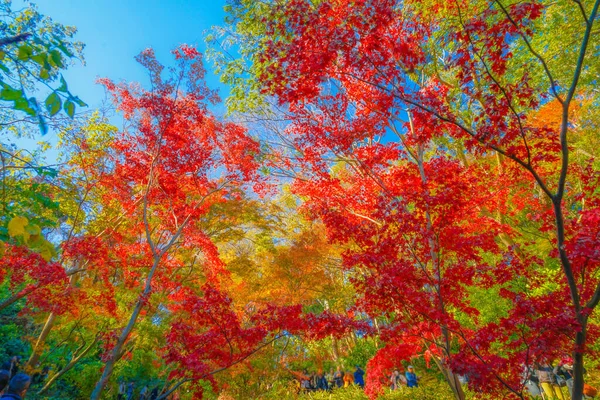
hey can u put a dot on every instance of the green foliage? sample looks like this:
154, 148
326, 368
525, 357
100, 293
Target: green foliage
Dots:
34, 51
431, 391
12, 329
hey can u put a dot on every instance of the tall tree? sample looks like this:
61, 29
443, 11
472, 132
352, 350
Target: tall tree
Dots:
174, 162
458, 85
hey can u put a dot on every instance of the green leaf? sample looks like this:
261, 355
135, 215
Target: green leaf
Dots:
4, 68
23, 105
53, 103
64, 49
79, 102
63, 85
39, 59
44, 74
69, 108
47, 171
25, 52
2, 54
56, 58
9, 93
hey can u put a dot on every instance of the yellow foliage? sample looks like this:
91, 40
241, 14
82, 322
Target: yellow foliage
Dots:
47, 250
16, 227
31, 234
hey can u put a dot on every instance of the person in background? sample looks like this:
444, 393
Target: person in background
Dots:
17, 387
40, 377
122, 390
130, 390
321, 381
548, 382
359, 377
397, 380
12, 366
305, 381
348, 379
411, 377
4, 378
314, 380
154, 393
394, 380
565, 371
338, 377
330, 380
144, 393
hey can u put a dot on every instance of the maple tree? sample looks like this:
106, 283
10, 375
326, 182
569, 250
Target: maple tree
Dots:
163, 179
431, 212
405, 180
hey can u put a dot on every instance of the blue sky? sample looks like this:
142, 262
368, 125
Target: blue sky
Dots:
114, 31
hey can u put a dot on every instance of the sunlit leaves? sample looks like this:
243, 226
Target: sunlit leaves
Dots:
34, 60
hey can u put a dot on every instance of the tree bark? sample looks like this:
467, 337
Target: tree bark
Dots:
14, 298
37, 349
70, 365
116, 352
580, 339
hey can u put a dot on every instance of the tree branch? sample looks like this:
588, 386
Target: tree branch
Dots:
14, 39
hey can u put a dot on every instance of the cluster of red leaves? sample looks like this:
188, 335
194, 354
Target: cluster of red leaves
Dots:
422, 232
210, 335
42, 282
161, 177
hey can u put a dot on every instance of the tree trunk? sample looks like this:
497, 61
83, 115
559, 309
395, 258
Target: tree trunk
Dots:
37, 349
116, 351
580, 338
334, 349
15, 298
452, 380
71, 364
454, 384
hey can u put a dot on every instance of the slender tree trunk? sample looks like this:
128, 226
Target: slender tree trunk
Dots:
580, 339
116, 352
15, 298
70, 365
450, 376
37, 349
452, 380
39, 344
334, 349
454, 384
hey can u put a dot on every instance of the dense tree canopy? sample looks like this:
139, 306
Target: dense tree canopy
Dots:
395, 182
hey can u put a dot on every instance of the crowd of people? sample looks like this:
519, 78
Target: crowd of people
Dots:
549, 381
327, 381
544, 380
409, 378
13, 384
126, 391
338, 378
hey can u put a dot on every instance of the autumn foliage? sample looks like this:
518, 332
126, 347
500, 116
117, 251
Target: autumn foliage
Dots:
414, 181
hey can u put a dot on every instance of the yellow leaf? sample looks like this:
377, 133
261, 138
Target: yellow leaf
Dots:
46, 250
46, 253
16, 227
